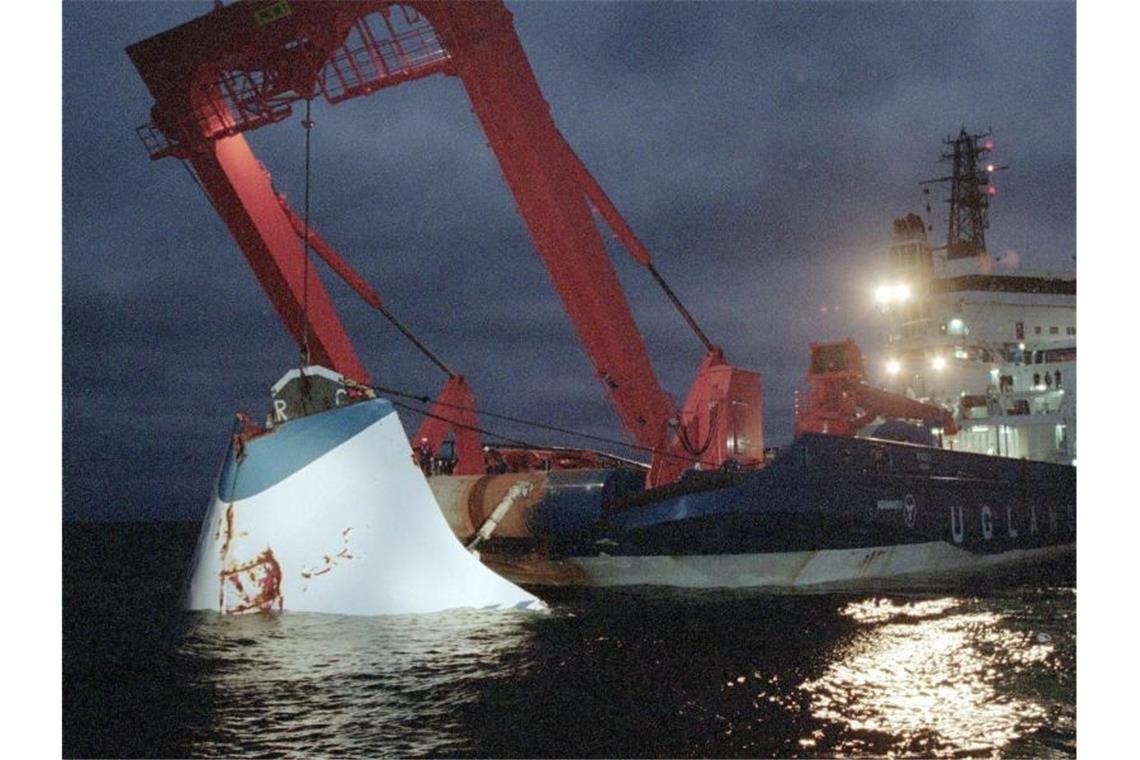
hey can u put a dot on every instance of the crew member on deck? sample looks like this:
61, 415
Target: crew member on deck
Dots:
424, 456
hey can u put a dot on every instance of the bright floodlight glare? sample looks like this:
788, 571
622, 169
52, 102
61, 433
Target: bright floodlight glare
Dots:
883, 294
893, 366
989, 167
938, 363
902, 292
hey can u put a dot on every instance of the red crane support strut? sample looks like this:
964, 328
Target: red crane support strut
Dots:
242, 66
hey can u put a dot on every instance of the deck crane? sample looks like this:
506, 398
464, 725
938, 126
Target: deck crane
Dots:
840, 402
244, 65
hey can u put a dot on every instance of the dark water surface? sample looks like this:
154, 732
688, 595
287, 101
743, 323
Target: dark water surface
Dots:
625, 673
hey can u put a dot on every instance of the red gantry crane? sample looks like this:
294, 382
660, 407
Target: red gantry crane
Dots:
245, 65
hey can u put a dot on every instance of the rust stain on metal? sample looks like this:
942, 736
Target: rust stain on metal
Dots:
535, 568
475, 498
227, 529
330, 560
255, 586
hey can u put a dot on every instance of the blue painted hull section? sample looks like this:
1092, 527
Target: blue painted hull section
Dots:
291, 446
829, 493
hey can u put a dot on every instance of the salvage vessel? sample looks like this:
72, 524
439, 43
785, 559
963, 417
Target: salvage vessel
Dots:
829, 512
957, 462
708, 509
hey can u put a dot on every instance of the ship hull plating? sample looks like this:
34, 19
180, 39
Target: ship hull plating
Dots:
327, 513
925, 564
828, 513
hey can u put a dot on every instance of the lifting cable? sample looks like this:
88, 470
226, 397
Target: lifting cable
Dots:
198, 182
464, 426
415, 341
307, 124
522, 421
680, 306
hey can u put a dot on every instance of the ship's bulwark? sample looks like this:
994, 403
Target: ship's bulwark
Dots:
829, 513
328, 513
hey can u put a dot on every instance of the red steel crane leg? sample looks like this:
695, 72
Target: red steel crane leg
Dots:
240, 190
543, 177
239, 67
454, 412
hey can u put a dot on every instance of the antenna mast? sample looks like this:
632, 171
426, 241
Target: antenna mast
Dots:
970, 193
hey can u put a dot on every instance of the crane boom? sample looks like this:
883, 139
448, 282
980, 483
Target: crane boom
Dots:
242, 66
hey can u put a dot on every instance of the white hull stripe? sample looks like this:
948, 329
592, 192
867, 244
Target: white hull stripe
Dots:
827, 567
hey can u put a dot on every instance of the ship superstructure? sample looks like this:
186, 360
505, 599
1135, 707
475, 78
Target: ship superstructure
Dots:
995, 344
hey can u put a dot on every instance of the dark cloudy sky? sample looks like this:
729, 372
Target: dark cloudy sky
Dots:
760, 151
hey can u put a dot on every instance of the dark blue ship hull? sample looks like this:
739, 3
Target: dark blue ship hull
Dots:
828, 511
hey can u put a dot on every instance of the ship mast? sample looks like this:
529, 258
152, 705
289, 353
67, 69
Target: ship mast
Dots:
970, 191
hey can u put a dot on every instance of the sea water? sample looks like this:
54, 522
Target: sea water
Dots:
605, 673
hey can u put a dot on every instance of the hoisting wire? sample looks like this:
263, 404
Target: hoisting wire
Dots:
197, 181
307, 123
522, 421
481, 431
415, 341
680, 306
600, 204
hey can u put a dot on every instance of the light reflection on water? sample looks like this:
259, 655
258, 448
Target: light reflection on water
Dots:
931, 675
642, 675
607, 673
299, 684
